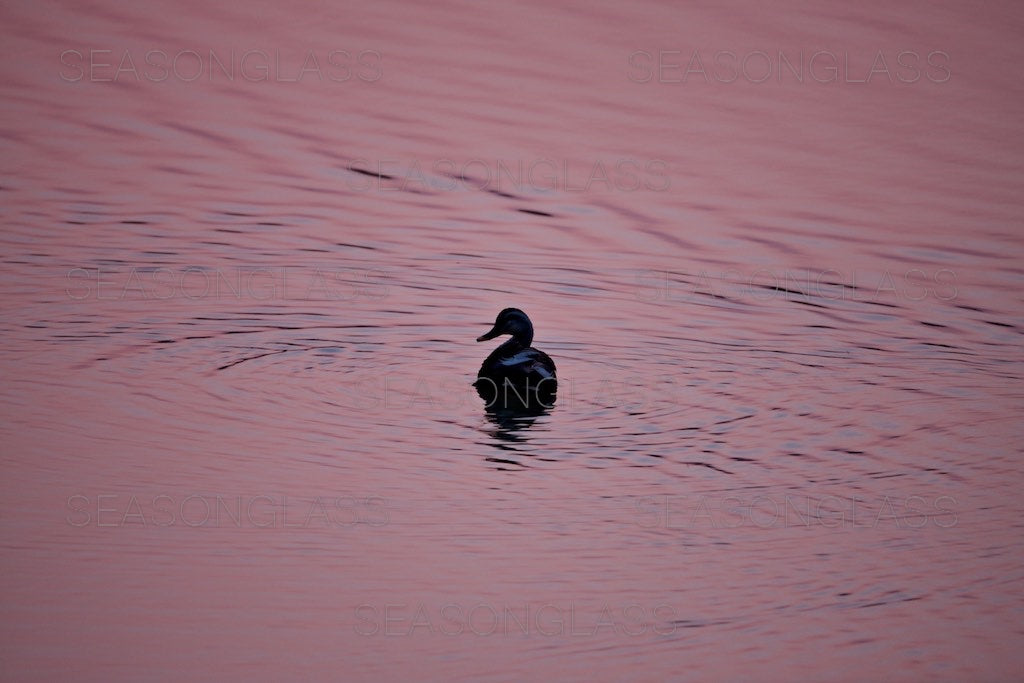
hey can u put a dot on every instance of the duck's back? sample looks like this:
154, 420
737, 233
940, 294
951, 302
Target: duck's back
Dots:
512, 361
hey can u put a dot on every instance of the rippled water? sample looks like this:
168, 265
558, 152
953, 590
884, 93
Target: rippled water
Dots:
240, 437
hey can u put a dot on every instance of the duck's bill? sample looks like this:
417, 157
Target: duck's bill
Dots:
490, 335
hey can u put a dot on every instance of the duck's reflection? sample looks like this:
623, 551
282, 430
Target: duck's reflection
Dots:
512, 418
510, 422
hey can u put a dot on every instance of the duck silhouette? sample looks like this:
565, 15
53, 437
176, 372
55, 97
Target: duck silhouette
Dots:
516, 376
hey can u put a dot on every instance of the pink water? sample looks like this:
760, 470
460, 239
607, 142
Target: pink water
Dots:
239, 436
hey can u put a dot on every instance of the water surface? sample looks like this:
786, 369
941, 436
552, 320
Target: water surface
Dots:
239, 434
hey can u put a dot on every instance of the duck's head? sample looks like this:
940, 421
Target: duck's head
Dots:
514, 322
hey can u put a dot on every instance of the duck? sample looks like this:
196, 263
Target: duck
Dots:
516, 374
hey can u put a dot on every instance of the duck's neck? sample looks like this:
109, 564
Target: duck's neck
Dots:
515, 344
524, 335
